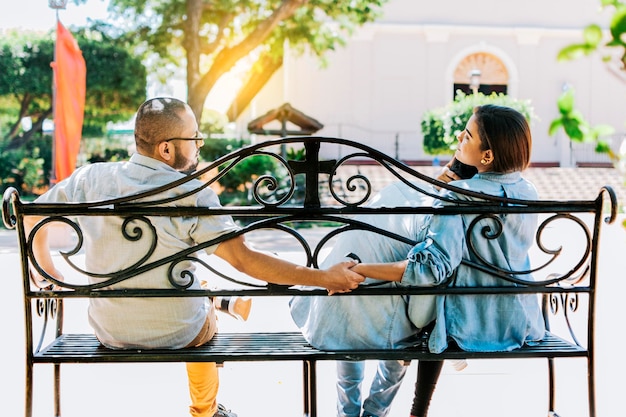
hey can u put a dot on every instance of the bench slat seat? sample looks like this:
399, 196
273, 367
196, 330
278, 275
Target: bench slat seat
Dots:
286, 346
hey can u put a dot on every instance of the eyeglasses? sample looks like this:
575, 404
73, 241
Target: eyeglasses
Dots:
199, 138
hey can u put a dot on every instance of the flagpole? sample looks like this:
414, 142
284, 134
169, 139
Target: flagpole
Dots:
56, 5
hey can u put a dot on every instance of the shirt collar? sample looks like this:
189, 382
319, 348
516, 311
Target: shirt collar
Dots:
150, 162
508, 178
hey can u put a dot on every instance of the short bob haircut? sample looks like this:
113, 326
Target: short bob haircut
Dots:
506, 132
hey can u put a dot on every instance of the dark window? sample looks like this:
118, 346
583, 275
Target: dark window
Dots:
486, 89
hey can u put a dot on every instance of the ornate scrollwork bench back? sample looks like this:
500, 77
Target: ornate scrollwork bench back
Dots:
313, 190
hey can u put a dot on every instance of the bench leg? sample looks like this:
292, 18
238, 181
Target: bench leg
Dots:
551, 388
310, 388
28, 395
57, 366
591, 386
57, 390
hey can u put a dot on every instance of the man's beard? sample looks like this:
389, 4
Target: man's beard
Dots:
183, 164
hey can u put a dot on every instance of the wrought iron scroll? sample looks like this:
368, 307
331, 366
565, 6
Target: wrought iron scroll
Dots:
47, 309
272, 184
613, 204
129, 232
575, 274
8, 217
311, 167
351, 182
570, 303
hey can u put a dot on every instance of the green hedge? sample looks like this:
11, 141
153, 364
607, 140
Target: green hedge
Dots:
27, 168
441, 126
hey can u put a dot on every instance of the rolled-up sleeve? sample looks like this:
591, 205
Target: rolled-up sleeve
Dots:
434, 259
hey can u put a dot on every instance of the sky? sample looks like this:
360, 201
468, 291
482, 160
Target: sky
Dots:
37, 15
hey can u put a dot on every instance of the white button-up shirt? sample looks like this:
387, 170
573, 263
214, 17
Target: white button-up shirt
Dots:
141, 322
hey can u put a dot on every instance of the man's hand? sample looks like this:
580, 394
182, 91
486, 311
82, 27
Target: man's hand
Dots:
338, 278
341, 278
41, 252
42, 282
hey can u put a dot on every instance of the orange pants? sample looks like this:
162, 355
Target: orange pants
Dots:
203, 386
203, 377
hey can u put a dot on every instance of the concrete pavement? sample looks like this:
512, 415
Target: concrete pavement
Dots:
492, 388
552, 183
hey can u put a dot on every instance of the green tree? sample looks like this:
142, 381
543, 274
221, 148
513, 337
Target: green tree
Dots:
25, 83
116, 83
214, 36
26, 168
613, 53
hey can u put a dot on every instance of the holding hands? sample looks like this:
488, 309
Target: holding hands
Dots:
341, 278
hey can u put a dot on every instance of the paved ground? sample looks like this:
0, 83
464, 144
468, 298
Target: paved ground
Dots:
575, 183
485, 389
551, 183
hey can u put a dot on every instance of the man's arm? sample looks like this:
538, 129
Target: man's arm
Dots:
236, 252
41, 249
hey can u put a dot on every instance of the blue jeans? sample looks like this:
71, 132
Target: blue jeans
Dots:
384, 388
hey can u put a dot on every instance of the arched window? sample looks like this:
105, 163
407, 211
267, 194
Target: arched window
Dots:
481, 72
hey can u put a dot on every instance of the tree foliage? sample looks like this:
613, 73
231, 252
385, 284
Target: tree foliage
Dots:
576, 127
211, 37
25, 81
442, 125
116, 82
28, 167
613, 52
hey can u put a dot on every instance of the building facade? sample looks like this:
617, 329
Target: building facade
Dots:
376, 89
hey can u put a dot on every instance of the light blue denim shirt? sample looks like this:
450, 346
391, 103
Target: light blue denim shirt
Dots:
477, 323
370, 322
141, 323
480, 322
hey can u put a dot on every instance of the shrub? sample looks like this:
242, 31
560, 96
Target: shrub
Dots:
236, 185
113, 147
27, 168
110, 155
441, 126
214, 148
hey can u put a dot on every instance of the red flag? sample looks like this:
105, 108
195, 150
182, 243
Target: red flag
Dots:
70, 75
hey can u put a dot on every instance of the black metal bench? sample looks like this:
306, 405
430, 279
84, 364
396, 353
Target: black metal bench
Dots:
566, 282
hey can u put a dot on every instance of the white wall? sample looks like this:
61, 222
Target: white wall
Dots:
377, 88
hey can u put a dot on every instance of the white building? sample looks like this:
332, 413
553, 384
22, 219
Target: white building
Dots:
376, 89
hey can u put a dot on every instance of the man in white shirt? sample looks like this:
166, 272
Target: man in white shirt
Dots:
168, 143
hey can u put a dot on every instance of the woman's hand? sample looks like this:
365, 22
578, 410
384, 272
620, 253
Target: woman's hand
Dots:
343, 278
447, 174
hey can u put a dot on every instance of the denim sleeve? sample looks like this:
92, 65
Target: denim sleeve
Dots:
434, 259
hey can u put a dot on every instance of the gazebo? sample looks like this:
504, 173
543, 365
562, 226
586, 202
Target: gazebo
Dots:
285, 114
306, 125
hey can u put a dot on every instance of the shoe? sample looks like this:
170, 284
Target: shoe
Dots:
238, 307
459, 364
223, 412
